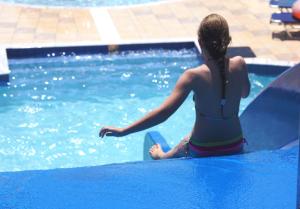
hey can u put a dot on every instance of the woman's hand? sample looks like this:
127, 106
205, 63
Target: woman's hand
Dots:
111, 131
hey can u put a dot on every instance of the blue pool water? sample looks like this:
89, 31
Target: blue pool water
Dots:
80, 3
53, 108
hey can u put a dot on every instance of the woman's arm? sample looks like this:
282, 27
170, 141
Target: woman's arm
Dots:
169, 106
246, 82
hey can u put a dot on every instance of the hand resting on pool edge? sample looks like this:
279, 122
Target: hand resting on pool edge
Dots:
218, 86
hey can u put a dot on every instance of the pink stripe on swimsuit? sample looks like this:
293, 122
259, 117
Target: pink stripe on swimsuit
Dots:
201, 151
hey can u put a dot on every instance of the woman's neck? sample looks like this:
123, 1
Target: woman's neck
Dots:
210, 62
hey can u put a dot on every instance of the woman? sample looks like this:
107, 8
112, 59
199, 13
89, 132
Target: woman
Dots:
218, 86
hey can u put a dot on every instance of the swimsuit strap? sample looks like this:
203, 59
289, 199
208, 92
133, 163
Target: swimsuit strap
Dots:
217, 118
223, 97
224, 83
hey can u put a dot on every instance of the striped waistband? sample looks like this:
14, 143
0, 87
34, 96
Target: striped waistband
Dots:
217, 143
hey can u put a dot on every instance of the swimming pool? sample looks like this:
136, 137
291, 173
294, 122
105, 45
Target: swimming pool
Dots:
54, 106
80, 3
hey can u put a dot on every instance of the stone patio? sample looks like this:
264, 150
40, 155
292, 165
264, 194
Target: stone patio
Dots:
169, 20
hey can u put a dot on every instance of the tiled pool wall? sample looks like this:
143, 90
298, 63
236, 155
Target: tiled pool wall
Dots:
20, 53
39, 52
267, 69
262, 67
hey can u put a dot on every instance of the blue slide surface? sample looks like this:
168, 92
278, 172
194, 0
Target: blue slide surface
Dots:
250, 181
271, 121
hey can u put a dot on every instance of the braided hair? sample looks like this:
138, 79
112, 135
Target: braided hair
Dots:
213, 35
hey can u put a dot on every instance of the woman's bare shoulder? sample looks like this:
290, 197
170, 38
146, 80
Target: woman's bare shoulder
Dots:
237, 63
198, 71
194, 75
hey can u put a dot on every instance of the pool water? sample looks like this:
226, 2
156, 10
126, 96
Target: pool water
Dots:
80, 3
53, 107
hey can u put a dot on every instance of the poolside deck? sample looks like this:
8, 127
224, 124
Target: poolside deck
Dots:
170, 20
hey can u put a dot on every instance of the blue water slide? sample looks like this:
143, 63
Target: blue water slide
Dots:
271, 121
256, 180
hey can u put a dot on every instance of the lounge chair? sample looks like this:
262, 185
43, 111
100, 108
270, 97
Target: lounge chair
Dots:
287, 20
282, 4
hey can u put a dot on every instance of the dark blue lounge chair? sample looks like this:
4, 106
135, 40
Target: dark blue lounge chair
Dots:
285, 18
282, 4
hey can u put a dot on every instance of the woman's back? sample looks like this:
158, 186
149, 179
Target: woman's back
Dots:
214, 121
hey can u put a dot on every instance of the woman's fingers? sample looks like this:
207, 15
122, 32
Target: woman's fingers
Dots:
103, 132
108, 131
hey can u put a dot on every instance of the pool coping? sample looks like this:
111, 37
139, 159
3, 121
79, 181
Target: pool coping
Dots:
256, 65
104, 48
4, 68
